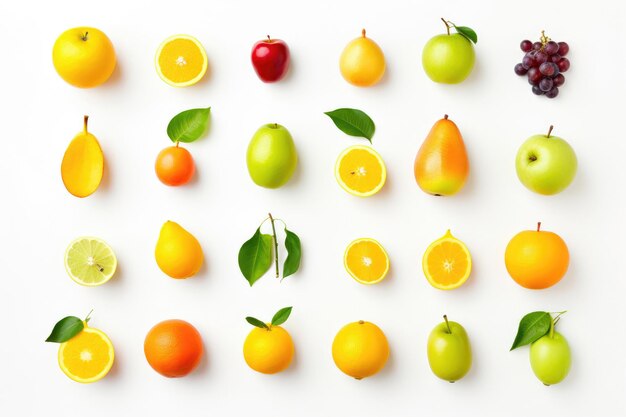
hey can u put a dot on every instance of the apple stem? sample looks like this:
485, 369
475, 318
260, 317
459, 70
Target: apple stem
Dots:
85, 120
84, 37
363, 32
275, 243
361, 322
549, 131
268, 38
445, 317
445, 116
275, 125
538, 226
445, 22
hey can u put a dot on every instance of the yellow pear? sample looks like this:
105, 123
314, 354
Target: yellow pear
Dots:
362, 62
83, 164
441, 165
178, 253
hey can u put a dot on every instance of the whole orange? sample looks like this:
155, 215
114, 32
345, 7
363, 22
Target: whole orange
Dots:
173, 348
174, 166
536, 259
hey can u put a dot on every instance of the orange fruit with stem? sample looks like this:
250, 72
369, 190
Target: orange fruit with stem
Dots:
173, 348
536, 259
174, 166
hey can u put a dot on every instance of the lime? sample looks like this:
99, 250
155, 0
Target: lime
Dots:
90, 261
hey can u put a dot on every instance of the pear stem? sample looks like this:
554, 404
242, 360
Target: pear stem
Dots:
275, 243
549, 131
445, 317
538, 226
85, 121
363, 32
445, 22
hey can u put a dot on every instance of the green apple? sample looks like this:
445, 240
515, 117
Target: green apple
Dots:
449, 351
546, 164
449, 58
271, 156
550, 358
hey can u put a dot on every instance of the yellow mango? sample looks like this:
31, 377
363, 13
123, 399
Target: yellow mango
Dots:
83, 164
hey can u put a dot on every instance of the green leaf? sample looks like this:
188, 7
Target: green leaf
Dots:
353, 122
188, 126
281, 316
467, 32
65, 329
294, 253
255, 256
257, 323
532, 327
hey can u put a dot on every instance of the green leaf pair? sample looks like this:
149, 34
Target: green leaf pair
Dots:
353, 122
533, 327
189, 126
279, 318
256, 255
67, 328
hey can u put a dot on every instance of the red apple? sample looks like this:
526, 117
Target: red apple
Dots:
270, 59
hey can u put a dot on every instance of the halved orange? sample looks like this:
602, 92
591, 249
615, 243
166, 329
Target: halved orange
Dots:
447, 263
361, 171
366, 261
181, 60
87, 357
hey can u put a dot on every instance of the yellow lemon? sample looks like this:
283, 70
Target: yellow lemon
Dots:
178, 253
84, 57
447, 263
268, 350
362, 62
360, 349
88, 356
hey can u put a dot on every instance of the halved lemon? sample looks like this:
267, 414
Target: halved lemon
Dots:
87, 357
366, 261
181, 60
447, 263
90, 261
361, 171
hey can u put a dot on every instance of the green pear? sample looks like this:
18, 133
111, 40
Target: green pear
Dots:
449, 351
550, 358
271, 156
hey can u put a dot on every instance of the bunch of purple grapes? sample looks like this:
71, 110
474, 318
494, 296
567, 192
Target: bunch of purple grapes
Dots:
544, 65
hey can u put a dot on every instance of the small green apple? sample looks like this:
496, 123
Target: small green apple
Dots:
546, 164
271, 156
550, 358
449, 351
449, 58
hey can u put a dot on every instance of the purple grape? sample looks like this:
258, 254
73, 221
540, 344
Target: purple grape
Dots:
548, 69
528, 62
563, 64
526, 45
553, 93
546, 84
534, 76
520, 69
541, 57
559, 80
555, 58
537, 46
563, 48
537, 91
551, 48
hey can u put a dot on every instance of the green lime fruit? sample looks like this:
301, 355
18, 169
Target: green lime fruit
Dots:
90, 261
271, 156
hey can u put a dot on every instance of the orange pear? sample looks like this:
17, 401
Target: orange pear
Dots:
83, 164
441, 165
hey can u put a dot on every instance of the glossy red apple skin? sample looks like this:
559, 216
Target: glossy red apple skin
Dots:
270, 59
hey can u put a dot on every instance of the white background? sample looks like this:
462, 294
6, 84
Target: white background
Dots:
495, 111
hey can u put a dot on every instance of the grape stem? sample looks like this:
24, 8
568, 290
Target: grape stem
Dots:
445, 22
544, 39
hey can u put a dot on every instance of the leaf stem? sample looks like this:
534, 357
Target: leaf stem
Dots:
445, 317
275, 243
88, 316
445, 22
551, 333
